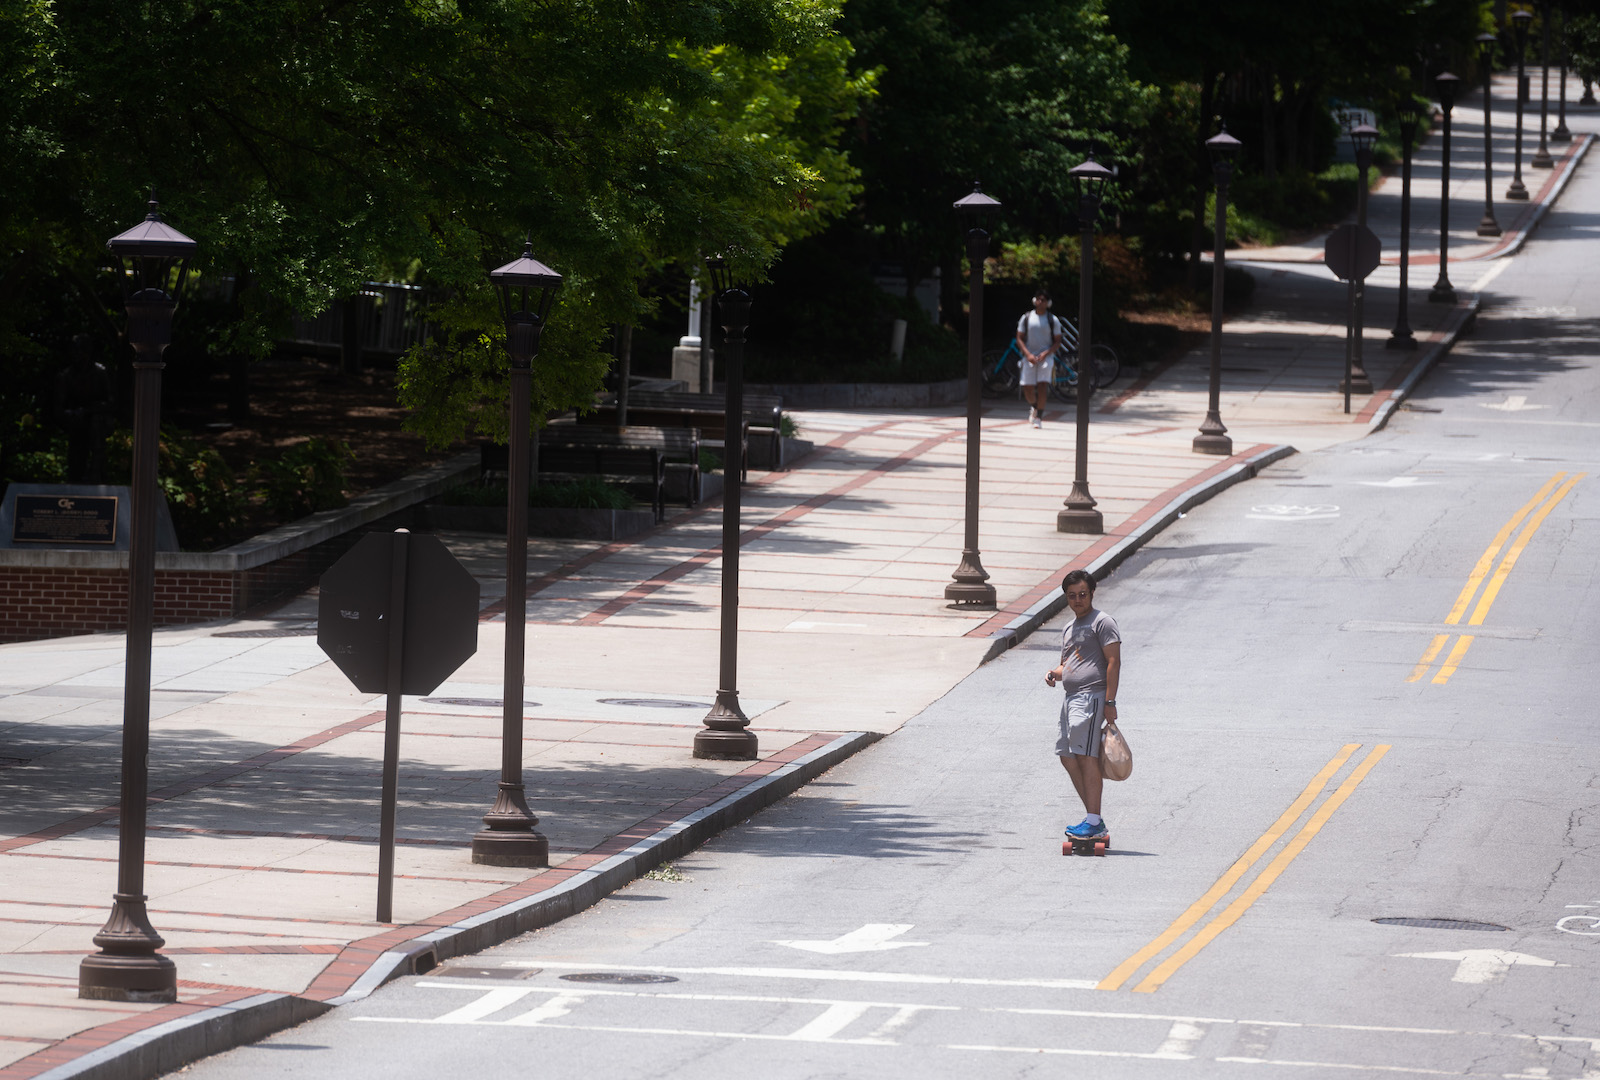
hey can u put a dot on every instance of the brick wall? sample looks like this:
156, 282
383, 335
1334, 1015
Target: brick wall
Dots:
43, 602
46, 601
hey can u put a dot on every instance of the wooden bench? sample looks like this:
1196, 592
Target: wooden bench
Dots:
643, 456
679, 446
763, 416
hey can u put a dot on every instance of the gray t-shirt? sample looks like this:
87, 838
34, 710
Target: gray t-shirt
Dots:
1083, 651
1038, 330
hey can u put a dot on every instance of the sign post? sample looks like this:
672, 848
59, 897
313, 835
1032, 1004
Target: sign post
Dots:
398, 614
1352, 252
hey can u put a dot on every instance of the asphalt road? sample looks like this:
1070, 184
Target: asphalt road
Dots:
1361, 687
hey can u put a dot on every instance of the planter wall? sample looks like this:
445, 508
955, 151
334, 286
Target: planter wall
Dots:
865, 395
572, 524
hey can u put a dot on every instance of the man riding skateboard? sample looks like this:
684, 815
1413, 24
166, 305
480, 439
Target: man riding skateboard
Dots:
1091, 667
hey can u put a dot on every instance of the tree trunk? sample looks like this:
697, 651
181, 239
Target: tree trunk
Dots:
1269, 125
1202, 186
624, 371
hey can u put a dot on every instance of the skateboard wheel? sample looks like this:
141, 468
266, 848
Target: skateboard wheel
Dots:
1099, 849
1066, 847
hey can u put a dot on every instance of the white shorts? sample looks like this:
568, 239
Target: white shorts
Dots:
1037, 373
1082, 727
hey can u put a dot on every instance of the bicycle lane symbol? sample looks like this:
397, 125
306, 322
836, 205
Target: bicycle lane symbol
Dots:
1591, 922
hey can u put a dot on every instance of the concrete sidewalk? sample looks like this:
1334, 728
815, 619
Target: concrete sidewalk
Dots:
1516, 219
262, 856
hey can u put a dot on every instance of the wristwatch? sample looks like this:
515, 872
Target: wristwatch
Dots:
1110, 703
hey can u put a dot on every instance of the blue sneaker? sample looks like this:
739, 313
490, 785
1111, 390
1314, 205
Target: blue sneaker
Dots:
1083, 830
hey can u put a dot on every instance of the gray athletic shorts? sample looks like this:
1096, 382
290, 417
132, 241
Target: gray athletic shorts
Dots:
1082, 724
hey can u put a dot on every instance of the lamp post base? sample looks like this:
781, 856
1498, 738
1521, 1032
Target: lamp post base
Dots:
1488, 226
1204, 443
510, 839
1359, 383
128, 967
970, 586
1543, 160
725, 745
1517, 192
1080, 520
1401, 339
1562, 134
726, 735
1443, 293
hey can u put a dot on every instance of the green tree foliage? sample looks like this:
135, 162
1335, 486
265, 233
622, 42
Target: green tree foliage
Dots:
1009, 93
309, 145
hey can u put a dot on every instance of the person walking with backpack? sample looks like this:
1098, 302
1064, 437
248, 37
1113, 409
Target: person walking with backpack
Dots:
1038, 338
1090, 669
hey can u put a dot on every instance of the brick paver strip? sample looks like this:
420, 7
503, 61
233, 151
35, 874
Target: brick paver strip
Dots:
618, 604
543, 581
192, 784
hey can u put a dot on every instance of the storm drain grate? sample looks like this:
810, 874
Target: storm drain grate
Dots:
1443, 924
618, 977
459, 971
653, 703
276, 631
475, 702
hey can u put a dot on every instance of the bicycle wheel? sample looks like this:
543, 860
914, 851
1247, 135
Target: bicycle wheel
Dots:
999, 370
1106, 366
1064, 383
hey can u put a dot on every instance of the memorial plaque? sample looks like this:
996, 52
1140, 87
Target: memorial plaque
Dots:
65, 519
76, 517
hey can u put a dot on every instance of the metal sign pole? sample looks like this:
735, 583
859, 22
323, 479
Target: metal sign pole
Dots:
391, 726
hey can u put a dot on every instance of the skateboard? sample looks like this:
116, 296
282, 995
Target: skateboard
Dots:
1093, 846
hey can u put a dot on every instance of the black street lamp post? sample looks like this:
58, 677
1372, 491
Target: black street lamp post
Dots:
726, 734
1443, 292
1078, 514
1362, 137
1213, 437
1519, 34
1562, 133
969, 583
129, 966
1488, 226
1541, 157
1410, 116
526, 287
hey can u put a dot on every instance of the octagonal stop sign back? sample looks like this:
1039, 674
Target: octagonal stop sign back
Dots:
440, 624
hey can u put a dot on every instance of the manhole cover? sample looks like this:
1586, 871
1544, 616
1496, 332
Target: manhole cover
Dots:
275, 631
618, 977
476, 702
458, 971
1443, 924
653, 703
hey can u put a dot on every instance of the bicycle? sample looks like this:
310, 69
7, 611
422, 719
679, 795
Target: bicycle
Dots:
1001, 370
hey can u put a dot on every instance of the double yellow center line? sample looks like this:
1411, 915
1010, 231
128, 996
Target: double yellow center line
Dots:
1224, 885
1539, 508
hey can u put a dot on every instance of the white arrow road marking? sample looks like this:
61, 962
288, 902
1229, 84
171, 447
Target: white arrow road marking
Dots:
1483, 965
1399, 482
1276, 512
873, 937
1512, 403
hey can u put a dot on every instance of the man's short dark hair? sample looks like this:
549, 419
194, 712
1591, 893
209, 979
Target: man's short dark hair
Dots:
1041, 292
1075, 577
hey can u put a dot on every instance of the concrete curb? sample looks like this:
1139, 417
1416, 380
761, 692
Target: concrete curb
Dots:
172, 1045
1044, 610
1463, 319
1545, 204
169, 1046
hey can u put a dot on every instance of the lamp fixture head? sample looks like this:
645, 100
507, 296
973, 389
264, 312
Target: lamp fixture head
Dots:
978, 209
1447, 86
152, 251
